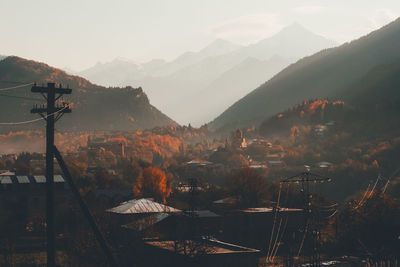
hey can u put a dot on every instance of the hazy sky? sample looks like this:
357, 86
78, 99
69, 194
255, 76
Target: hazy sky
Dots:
79, 33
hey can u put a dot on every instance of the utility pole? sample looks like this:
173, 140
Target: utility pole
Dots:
311, 230
53, 113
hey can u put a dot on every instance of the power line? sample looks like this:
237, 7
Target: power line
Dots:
15, 87
7, 81
21, 97
35, 120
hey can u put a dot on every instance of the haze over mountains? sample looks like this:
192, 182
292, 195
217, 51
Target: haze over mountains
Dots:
329, 73
93, 107
197, 86
200, 85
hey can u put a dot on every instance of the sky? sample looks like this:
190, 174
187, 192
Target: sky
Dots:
76, 34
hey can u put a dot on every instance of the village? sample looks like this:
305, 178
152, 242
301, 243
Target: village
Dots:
210, 205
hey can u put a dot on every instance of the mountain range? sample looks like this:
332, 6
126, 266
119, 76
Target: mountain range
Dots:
197, 86
328, 73
94, 107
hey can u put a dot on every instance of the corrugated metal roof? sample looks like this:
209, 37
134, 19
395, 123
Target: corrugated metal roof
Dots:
6, 180
58, 179
141, 206
23, 179
40, 179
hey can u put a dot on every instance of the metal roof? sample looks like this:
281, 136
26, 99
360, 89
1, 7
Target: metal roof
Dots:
23, 179
27, 179
142, 206
6, 180
58, 179
40, 179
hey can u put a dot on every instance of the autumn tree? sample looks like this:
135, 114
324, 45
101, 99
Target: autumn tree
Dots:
153, 182
77, 167
248, 187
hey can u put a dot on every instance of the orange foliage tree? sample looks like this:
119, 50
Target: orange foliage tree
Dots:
153, 182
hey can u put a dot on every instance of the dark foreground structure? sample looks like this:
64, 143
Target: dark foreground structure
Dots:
207, 252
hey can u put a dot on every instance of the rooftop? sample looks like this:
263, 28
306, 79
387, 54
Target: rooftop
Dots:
28, 179
142, 206
268, 209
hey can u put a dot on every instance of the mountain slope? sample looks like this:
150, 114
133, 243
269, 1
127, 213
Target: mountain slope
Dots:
110, 74
122, 71
216, 48
380, 86
232, 85
325, 74
94, 107
175, 86
371, 108
293, 41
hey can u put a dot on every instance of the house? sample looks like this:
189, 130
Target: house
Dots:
99, 145
29, 192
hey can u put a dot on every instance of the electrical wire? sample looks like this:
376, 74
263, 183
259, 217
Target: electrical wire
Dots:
273, 225
21, 97
333, 214
276, 239
368, 193
280, 239
362, 199
304, 238
35, 120
390, 178
279, 234
385, 187
15, 87
6, 81
326, 207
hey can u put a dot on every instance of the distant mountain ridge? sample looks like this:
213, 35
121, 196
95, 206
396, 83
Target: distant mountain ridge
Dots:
328, 73
174, 86
94, 107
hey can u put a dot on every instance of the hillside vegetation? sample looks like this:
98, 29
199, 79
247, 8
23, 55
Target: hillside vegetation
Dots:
329, 73
94, 107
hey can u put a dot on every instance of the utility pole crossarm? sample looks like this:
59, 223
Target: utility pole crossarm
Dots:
58, 109
43, 89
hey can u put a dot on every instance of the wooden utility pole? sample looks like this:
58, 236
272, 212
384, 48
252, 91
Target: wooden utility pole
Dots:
53, 113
